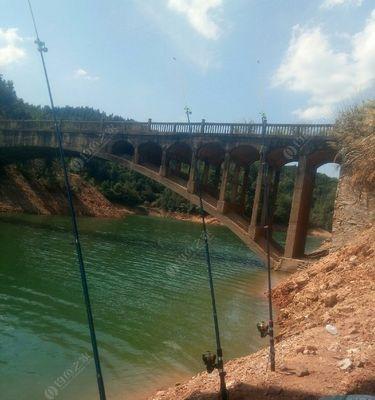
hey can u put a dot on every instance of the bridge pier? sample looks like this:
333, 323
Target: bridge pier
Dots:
234, 189
245, 184
221, 204
163, 165
191, 185
136, 155
299, 214
253, 228
206, 171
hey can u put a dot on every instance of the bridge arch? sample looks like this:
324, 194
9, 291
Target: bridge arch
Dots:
178, 161
122, 148
150, 155
210, 157
239, 186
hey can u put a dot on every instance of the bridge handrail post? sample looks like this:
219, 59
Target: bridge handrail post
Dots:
149, 124
203, 125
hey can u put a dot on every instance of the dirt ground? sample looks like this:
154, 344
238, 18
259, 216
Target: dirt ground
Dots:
325, 343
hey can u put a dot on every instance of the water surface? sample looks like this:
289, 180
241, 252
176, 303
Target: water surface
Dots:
150, 298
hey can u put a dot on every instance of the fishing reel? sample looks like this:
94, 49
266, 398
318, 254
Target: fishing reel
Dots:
263, 329
209, 360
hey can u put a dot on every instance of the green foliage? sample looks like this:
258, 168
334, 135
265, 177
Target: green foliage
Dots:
322, 203
12, 107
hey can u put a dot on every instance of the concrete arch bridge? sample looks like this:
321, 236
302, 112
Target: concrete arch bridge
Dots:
224, 153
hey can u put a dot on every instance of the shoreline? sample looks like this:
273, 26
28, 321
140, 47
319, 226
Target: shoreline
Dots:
311, 360
122, 212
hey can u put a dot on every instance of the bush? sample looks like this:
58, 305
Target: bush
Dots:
355, 131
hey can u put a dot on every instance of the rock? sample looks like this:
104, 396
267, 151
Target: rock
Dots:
310, 351
353, 260
313, 296
346, 364
302, 372
312, 348
330, 266
335, 347
331, 329
300, 349
273, 390
353, 331
360, 364
301, 281
330, 300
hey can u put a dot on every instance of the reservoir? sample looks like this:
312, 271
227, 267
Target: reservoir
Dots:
150, 297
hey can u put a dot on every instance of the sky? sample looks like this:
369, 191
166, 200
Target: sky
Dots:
228, 60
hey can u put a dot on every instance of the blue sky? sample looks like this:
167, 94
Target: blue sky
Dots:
228, 60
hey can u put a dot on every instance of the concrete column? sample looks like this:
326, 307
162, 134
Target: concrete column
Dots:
163, 165
206, 170
191, 185
257, 201
221, 204
234, 188
136, 155
245, 184
178, 168
299, 214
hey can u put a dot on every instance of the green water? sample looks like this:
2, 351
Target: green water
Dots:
148, 285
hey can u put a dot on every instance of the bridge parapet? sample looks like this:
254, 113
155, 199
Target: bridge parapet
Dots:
173, 128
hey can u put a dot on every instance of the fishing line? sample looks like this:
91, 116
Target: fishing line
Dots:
208, 358
267, 329
42, 49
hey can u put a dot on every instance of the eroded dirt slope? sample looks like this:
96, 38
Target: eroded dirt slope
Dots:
326, 335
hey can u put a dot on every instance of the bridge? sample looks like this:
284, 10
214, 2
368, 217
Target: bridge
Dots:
224, 154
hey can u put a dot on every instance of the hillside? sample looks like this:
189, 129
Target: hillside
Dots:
20, 194
311, 361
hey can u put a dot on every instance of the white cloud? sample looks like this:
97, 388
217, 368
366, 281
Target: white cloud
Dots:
81, 73
203, 54
311, 65
10, 50
333, 3
201, 15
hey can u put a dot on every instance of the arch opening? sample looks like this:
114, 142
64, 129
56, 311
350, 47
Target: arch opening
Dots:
123, 149
209, 163
179, 157
242, 175
150, 155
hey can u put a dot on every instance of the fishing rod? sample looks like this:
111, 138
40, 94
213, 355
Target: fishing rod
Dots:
99, 377
263, 328
208, 358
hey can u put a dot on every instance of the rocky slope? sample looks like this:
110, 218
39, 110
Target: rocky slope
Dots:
325, 343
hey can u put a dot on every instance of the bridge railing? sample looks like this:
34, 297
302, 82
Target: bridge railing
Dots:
195, 128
